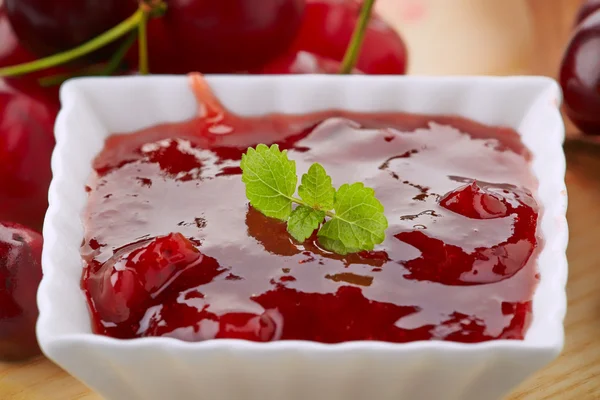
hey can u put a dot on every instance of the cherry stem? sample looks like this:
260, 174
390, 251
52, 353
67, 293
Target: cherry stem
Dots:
70, 55
96, 70
144, 67
353, 50
117, 58
156, 9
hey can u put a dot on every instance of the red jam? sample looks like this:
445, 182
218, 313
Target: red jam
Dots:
173, 249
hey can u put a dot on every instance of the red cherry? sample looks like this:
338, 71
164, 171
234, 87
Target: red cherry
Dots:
26, 144
327, 29
220, 36
12, 53
586, 9
300, 62
49, 27
20, 275
580, 76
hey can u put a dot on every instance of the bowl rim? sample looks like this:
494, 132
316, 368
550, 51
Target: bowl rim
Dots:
69, 93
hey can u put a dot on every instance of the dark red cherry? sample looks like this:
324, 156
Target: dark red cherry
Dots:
220, 36
586, 9
20, 275
26, 144
580, 75
12, 53
48, 27
327, 28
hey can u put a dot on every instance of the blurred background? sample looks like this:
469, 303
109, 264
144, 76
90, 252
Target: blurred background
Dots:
465, 37
481, 36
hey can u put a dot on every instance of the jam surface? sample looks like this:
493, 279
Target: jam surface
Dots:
172, 247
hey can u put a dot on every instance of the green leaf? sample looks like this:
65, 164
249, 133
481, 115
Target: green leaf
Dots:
359, 223
316, 188
270, 179
303, 222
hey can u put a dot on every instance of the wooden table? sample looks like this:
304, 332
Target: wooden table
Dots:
575, 375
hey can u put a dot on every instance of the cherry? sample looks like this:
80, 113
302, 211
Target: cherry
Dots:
580, 75
327, 29
300, 62
220, 36
20, 275
586, 9
26, 144
49, 27
12, 53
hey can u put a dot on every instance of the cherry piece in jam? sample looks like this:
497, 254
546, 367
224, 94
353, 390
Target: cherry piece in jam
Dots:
443, 262
139, 274
173, 249
474, 202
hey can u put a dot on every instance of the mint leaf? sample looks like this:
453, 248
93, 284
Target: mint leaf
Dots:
316, 189
358, 224
270, 179
303, 222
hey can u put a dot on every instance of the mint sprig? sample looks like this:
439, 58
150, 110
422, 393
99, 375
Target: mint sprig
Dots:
349, 220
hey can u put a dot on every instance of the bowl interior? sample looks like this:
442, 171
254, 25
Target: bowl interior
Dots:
93, 108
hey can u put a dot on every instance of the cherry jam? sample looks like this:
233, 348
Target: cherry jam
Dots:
172, 247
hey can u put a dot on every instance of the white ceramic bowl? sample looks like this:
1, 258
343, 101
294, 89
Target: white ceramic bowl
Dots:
165, 368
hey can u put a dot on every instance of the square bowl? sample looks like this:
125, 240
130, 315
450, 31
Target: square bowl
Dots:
162, 368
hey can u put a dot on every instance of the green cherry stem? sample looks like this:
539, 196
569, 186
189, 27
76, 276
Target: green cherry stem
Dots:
156, 9
70, 55
117, 58
105, 69
144, 67
353, 50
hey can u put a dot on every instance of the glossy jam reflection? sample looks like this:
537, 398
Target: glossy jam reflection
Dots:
173, 249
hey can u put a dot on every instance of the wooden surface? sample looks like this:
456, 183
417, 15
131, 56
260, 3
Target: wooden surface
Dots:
469, 37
